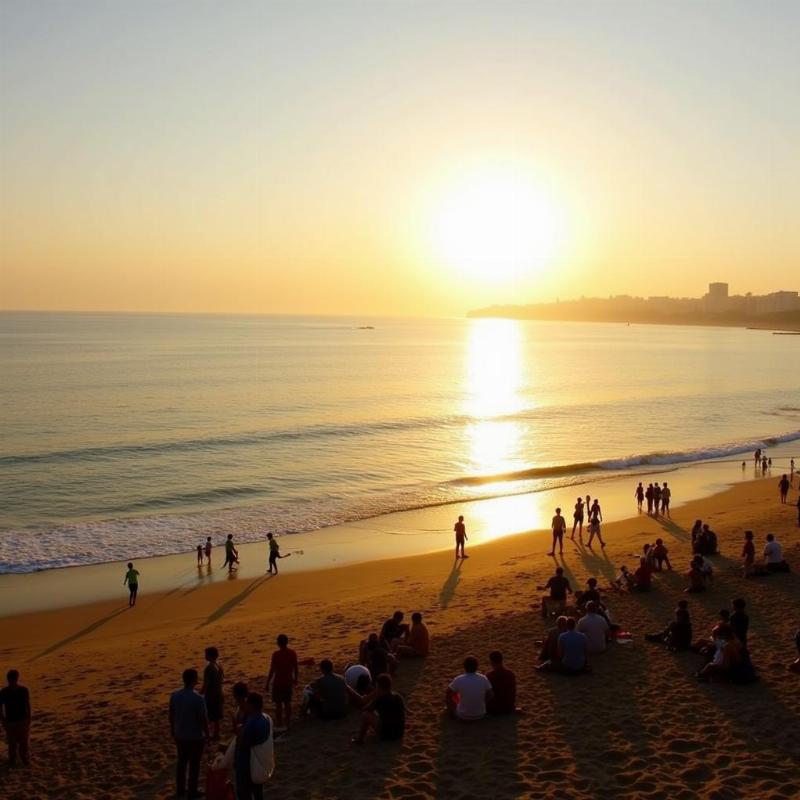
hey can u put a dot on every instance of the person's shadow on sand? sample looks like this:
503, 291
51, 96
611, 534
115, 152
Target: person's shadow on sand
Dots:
449, 588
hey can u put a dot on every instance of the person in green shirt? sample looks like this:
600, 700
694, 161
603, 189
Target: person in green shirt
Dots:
274, 554
132, 580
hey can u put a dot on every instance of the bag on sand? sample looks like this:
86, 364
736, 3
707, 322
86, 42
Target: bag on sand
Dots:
218, 787
262, 758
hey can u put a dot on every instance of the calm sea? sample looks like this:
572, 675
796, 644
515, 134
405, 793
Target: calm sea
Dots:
130, 435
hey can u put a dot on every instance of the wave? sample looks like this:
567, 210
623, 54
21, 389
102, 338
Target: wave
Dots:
656, 459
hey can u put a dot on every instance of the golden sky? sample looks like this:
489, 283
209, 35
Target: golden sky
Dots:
394, 157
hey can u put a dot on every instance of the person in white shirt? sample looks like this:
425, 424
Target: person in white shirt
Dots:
773, 555
595, 628
468, 693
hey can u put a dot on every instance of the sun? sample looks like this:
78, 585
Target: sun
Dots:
496, 226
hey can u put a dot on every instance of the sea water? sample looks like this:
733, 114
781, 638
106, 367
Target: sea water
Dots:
130, 435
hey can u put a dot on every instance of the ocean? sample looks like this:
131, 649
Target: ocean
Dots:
129, 435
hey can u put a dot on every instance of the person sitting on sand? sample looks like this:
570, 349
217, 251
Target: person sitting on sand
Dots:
468, 694
392, 630
282, 676
132, 579
739, 620
773, 555
559, 587
696, 529
213, 679
661, 556
706, 542
697, 581
678, 634
329, 697
595, 628
590, 593
577, 518
559, 526
460, 530
15, 717
417, 641
624, 580
548, 656
377, 658
727, 654
359, 680
385, 713
573, 650
783, 488
504, 686
748, 555
643, 577
706, 646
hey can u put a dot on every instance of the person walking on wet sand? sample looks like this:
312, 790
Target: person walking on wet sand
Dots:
274, 554
656, 498
208, 548
666, 496
231, 554
648, 494
783, 488
461, 536
639, 495
559, 525
577, 516
132, 581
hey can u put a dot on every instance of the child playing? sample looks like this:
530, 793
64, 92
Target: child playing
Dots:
199, 555
274, 554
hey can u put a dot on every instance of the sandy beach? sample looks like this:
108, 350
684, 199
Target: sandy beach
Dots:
638, 726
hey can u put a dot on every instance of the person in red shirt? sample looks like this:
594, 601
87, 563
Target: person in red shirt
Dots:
748, 555
504, 686
283, 677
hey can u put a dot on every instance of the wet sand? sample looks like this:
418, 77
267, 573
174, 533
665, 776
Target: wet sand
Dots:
638, 727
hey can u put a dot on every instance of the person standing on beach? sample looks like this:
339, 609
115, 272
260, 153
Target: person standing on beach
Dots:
791, 471
559, 525
757, 457
188, 722
595, 519
461, 536
208, 550
666, 495
199, 555
798, 509
15, 717
649, 497
274, 554
231, 554
656, 498
639, 495
132, 580
577, 516
283, 676
213, 678
783, 488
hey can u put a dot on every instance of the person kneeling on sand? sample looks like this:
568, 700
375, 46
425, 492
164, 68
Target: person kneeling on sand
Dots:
773, 555
573, 650
504, 686
595, 628
559, 587
548, 656
468, 694
678, 634
385, 713
417, 641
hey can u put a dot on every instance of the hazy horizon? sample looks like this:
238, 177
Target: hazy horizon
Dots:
400, 159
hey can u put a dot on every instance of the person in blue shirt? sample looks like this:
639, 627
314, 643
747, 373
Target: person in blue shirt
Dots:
254, 731
573, 650
188, 721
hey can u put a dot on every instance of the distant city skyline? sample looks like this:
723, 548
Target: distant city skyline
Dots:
400, 158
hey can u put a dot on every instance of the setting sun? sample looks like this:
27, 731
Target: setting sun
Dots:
496, 226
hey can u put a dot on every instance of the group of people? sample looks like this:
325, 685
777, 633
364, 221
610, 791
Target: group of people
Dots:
656, 496
583, 508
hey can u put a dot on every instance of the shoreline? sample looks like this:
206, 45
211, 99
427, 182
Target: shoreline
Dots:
395, 535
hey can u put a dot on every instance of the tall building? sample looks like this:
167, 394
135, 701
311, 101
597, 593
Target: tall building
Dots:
717, 297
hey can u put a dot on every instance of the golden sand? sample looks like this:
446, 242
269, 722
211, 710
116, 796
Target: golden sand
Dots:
638, 726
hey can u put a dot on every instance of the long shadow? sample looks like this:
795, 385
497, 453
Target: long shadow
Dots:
595, 563
673, 529
80, 634
229, 605
449, 588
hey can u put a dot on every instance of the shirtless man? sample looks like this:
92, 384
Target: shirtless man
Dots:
461, 536
559, 525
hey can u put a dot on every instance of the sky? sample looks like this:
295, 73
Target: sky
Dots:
394, 157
